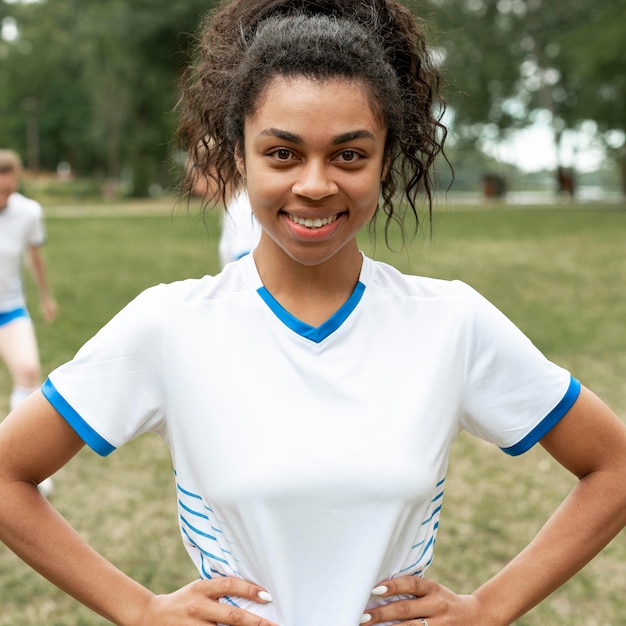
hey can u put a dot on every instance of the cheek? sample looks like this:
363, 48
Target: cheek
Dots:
258, 187
265, 184
366, 193
263, 195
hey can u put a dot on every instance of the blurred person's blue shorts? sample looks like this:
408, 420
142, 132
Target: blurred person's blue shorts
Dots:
9, 316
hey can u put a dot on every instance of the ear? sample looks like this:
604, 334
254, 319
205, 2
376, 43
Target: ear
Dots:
240, 160
386, 166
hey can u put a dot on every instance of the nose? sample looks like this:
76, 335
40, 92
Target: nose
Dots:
314, 181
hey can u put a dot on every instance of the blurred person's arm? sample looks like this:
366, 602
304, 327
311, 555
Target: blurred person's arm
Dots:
37, 267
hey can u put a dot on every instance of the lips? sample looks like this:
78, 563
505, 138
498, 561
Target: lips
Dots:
316, 222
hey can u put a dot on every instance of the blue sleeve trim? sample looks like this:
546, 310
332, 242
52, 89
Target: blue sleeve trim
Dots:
83, 430
551, 420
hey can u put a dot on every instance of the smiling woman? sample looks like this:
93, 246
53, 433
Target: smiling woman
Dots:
243, 51
310, 395
313, 162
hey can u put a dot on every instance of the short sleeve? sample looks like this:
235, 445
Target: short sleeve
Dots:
112, 390
37, 230
513, 394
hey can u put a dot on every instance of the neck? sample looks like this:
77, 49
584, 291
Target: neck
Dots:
312, 293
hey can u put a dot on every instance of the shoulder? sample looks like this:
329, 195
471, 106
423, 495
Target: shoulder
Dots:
229, 282
27, 207
146, 317
386, 278
152, 312
28, 204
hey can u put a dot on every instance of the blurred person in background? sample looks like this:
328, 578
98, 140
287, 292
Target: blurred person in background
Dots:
22, 233
240, 230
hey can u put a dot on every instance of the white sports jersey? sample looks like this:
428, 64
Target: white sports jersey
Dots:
240, 231
21, 226
311, 461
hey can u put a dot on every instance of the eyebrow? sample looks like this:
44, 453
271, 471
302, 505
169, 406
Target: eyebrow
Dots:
296, 139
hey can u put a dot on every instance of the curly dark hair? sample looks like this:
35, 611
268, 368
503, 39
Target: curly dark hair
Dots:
244, 44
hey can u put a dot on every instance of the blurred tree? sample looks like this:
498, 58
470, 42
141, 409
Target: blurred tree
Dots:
506, 60
595, 52
44, 70
94, 84
474, 47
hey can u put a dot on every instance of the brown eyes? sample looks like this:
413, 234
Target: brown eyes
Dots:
349, 156
283, 154
345, 156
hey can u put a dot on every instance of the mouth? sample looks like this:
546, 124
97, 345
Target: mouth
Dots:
316, 222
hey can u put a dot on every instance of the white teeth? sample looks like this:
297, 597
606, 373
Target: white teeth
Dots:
313, 223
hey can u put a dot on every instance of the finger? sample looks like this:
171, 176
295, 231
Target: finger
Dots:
216, 613
233, 616
404, 585
407, 595
204, 606
409, 611
230, 586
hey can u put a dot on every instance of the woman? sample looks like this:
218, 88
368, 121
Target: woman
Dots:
310, 395
22, 233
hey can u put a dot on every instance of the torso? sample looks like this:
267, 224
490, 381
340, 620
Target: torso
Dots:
20, 227
310, 460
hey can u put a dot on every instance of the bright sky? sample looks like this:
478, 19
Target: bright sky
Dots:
8, 29
533, 149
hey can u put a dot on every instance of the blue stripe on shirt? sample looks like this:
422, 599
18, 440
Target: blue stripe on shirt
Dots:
83, 430
551, 420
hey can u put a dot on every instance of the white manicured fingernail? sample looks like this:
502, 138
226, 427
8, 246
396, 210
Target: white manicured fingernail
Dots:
380, 590
366, 617
265, 595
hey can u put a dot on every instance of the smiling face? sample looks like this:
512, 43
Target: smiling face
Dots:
313, 163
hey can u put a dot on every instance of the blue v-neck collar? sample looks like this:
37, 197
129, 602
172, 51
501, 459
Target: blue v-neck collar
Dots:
311, 333
319, 333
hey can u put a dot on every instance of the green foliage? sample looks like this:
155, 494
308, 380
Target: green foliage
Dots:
557, 272
505, 60
601, 69
96, 84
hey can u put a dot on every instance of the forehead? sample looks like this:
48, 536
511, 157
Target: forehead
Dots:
317, 104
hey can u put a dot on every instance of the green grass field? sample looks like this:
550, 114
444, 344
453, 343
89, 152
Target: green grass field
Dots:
558, 272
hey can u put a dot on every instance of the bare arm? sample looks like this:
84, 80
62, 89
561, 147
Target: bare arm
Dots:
35, 441
37, 267
590, 441
55, 550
